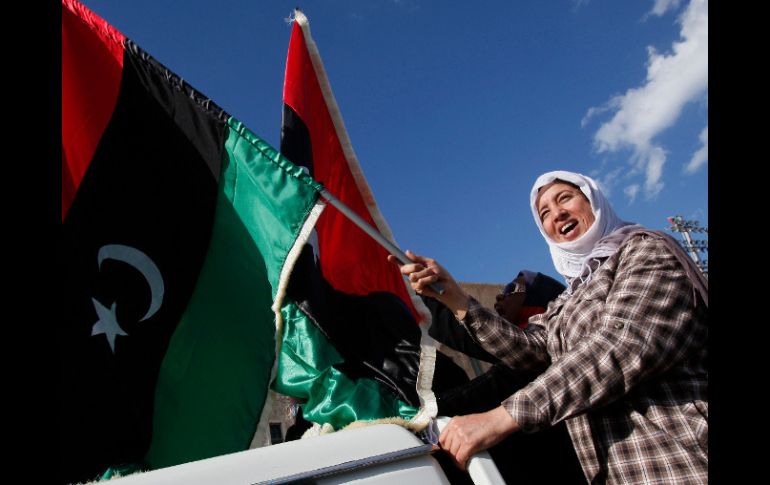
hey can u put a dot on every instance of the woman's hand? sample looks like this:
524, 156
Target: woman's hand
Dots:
423, 272
464, 436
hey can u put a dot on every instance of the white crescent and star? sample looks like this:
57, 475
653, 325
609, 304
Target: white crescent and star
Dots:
107, 323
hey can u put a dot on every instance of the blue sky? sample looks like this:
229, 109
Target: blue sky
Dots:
454, 108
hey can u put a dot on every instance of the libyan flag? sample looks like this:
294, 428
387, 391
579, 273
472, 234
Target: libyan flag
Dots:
185, 293
179, 232
357, 301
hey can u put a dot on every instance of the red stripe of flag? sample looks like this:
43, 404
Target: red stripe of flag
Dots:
351, 261
91, 73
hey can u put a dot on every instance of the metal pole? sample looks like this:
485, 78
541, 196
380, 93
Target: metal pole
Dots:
350, 466
690, 245
374, 233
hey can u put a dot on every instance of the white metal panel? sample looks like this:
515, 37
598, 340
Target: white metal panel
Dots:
272, 462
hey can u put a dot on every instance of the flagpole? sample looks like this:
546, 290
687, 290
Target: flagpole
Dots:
367, 228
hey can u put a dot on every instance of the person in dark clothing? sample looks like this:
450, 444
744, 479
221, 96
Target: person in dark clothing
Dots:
546, 457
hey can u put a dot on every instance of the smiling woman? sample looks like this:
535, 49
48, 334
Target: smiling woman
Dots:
572, 218
624, 345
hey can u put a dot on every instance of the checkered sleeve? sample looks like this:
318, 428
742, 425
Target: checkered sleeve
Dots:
517, 348
645, 326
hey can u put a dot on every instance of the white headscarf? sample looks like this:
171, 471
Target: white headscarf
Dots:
571, 257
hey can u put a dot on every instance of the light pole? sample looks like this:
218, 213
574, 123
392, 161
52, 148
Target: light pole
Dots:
692, 246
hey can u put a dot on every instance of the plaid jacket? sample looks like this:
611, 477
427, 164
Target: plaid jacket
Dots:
628, 368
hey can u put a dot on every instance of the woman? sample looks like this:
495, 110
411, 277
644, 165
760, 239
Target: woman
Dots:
520, 459
625, 345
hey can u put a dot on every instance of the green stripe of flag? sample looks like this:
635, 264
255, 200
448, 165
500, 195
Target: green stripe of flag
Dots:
306, 370
214, 377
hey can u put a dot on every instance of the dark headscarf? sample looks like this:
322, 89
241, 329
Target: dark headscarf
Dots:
540, 289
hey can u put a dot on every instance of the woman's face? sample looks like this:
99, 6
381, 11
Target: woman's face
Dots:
564, 212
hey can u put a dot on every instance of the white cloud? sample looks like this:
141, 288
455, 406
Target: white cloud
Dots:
701, 156
608, 181
631, 191
656, 157
643, 112
663, 6
610, 105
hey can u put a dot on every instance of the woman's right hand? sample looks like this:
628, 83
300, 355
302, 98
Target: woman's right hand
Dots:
423, 272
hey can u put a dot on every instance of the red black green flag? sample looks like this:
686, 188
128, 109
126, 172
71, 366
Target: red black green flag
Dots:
179, 231
359, 302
